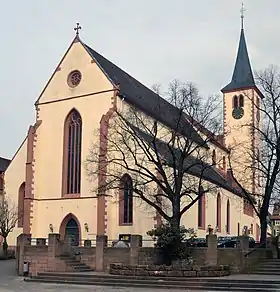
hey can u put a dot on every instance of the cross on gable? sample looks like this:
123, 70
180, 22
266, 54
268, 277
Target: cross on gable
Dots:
77, 28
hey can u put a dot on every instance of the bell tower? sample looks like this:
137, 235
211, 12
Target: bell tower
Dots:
242, 99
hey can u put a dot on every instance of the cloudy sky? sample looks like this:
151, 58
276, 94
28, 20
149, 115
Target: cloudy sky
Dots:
153, 40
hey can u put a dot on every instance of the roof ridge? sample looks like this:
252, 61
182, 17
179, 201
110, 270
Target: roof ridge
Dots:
145, 99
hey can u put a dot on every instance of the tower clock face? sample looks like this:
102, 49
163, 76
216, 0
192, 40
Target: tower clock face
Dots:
238, 112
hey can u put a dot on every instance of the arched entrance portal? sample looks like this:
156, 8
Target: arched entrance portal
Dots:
72, 233
70, 230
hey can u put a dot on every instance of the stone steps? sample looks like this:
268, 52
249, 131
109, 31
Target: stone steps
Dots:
74, 264
209, 284
271, 267
267, 273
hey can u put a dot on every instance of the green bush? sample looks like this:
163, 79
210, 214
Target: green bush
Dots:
171, 242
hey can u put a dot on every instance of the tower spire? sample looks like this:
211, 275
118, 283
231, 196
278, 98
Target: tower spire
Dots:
242, 76
242, 15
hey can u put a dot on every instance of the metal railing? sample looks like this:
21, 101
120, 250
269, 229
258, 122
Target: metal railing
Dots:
35, 241
254, 249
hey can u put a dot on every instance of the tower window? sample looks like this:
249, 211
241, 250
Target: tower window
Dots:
241, 100
235, 101
238, 101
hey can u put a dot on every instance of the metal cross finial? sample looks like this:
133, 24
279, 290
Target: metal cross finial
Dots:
77, 28
242, 15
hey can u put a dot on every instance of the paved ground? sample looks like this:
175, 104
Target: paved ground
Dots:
10, 282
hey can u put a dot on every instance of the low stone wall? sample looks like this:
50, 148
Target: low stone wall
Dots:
88, 256
169, 271
37, 257
44, 257
148, 255
115, 255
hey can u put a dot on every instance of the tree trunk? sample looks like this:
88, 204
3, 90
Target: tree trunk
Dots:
5, 246
263, 223
176, 217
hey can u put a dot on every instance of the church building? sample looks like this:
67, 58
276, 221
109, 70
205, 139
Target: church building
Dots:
47, 180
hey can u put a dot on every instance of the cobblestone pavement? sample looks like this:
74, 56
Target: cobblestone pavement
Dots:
10, 282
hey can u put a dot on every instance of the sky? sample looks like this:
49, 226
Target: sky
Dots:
155, 41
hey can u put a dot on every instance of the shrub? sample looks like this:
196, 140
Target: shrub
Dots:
171, 242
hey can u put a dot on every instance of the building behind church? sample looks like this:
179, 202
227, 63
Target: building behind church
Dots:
46, 177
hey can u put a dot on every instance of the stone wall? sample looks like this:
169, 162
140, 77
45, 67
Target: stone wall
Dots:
148, 255
37, 257
40, 258
87, 256
116, 255
169, 271
44, 257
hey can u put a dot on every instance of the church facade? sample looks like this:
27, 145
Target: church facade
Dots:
47, 180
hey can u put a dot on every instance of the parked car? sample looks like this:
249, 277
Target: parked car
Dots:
224, 241
231, 241
197, 242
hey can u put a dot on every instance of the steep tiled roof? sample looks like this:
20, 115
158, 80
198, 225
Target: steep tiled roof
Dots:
242, 75
145, 99
192, 165
4, 163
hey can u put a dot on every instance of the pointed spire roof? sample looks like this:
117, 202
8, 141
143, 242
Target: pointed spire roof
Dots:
242, 75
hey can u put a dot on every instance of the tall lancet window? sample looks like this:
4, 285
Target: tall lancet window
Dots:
126, 201
72, 153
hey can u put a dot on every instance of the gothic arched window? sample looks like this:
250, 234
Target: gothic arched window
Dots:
72, 153
224, 163
241, 100
258, 109
21, 196
214, 159
238, 229
201, 209
228, 217
126, 201
218, 214
235, 101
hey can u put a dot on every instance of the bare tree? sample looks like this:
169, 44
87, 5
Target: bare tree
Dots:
8, 220
167, 156
265, 157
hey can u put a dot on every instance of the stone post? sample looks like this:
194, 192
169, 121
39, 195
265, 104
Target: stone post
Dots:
101, 242
22, 241
135, 243
53, 250
243, 245
211, 258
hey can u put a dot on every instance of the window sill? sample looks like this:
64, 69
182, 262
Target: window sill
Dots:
125, 224
71, 196
201, 227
